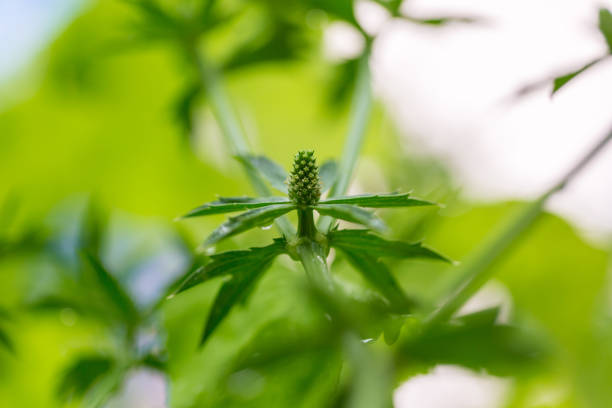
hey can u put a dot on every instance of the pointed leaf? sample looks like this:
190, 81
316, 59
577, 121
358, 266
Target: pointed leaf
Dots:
378, 200
328, 172
274, 173
381, 278
561, 81
246, 269
231, 263
352, 214
233, 204
605, 26
113, 290
375, 246
82, 375
251, 219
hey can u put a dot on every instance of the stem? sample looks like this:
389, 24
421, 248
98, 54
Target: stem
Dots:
312, 257
306, 225
478, 270
232, 131
360, 113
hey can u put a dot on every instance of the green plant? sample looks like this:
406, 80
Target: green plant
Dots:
310, 246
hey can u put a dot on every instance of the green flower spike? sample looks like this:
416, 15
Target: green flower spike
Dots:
304, 182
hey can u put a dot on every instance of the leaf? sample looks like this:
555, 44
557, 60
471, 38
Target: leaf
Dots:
254, 218
230, 263
605, 26
378, 200
113, 290
245, 269
500, 349
328, 172
82, 375
561, 81
270, 170
375, 246
352, 214
279, 41
184, 108
343, 81
381, 278
233, 204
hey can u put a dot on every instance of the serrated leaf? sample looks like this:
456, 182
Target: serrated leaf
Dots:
270, 170
379, 200
352, 214
605, 26
113, 290
375, 246
258, 217
500, 349
328, 172
381, 278
230, 263
234, 204
82, 375
561, 81
246, 269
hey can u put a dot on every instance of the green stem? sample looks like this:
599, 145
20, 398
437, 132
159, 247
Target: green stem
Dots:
312, 256
232, 130
478, 270
360, 114
306, 225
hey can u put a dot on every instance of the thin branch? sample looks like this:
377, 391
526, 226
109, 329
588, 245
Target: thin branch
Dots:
360, 114
478, 270
232, 131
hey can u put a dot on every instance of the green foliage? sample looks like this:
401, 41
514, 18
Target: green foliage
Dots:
82, 375
351, 213
258, 217
364, 242
605, 26
295, 343
378, 200
233, 204
476, 342
245, 268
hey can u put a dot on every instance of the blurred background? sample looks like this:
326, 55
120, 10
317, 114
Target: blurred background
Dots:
104, 141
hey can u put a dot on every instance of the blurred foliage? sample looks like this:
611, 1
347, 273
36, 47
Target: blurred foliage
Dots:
78, 309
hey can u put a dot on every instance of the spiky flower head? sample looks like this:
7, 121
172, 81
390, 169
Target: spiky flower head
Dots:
304, 184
